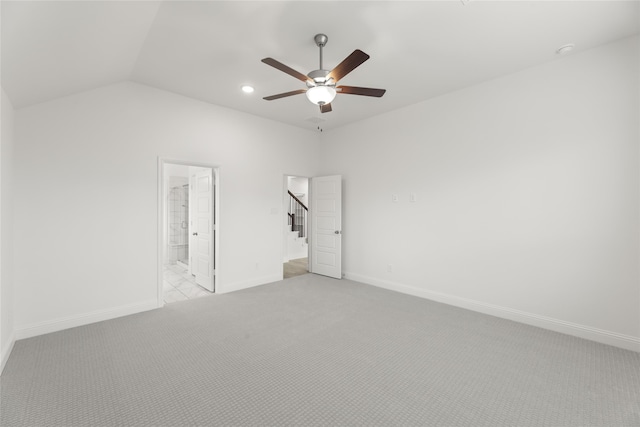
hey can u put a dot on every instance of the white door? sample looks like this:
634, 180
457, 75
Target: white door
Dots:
203, 230
326, 226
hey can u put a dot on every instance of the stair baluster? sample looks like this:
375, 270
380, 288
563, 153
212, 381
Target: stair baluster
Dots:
297, 215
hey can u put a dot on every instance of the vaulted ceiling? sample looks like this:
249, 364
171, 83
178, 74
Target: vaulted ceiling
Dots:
208, 49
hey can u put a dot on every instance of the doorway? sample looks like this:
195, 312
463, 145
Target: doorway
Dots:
187, 230
296, 229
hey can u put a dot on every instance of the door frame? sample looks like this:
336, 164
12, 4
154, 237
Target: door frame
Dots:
162, 208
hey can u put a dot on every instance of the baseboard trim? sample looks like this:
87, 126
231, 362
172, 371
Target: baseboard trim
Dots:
238, 286
602, 336
4, 357
61, 324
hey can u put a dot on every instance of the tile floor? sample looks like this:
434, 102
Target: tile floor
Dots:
179, 285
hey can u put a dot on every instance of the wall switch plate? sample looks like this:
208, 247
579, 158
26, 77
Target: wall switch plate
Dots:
394, 198
413, 198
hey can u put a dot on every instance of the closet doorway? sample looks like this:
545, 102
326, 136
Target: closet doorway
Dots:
187, 231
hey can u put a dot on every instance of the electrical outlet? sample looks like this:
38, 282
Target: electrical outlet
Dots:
394, 198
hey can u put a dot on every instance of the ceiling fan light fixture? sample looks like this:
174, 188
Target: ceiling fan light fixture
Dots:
321, 95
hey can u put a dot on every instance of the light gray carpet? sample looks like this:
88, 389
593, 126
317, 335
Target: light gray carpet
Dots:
295, 267
313, 351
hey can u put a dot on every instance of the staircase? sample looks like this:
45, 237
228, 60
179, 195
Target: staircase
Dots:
297, 246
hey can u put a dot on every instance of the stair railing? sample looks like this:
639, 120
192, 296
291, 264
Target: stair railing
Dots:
297, 214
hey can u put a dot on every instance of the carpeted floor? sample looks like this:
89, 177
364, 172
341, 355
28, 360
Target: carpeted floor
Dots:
314, 351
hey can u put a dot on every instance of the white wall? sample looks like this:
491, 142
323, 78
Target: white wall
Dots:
527, 192
86, 198
6, 231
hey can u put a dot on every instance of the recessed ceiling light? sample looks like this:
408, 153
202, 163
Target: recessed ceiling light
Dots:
565, 49
247, 89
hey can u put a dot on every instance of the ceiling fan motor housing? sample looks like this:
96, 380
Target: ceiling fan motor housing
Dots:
319, 77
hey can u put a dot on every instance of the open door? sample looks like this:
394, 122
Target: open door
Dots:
203, 230
326, 226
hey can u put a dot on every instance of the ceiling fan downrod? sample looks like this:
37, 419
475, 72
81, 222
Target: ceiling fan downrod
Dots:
319, 77
321, 40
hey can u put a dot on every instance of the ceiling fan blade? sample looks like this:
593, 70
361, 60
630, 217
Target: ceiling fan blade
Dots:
365, 91
285, 94
325, 108
280, 66
349, 64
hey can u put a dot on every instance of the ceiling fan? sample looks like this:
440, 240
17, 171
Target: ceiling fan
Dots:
321, 84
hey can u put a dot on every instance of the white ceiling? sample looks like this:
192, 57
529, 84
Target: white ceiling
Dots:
208, 49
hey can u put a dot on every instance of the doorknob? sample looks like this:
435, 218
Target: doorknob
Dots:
195, 234
337, 232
